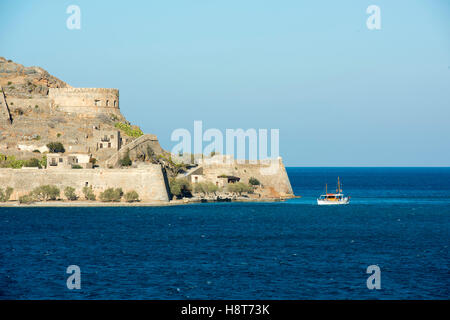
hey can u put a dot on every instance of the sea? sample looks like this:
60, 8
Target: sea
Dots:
398, 220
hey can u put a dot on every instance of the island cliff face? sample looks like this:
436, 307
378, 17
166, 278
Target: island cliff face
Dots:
38, 110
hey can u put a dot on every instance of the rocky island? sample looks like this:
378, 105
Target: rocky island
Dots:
74, 145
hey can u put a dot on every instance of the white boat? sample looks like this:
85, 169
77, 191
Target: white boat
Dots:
333, 198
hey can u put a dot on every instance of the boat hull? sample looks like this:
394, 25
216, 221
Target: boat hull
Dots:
333, 203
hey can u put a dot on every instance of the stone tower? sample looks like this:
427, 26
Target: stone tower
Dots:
86, 101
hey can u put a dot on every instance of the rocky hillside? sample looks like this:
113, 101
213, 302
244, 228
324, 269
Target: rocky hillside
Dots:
30, 120
25, 82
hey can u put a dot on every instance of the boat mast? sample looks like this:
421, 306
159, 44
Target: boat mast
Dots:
339, 187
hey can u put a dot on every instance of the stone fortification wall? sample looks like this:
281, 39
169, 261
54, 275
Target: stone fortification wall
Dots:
148, 181
272, 175
86, 101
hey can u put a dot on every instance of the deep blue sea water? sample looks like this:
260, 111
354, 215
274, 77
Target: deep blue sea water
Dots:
398, 219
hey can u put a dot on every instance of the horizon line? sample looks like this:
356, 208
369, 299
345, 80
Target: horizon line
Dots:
366, 166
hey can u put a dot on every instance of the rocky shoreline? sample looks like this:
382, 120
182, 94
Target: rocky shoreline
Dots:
185, 201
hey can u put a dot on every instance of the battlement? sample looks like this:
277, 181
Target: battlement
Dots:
61, 91
85, 101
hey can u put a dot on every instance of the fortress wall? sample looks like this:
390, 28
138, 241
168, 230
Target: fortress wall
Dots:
85, 101
148, 182
274, 176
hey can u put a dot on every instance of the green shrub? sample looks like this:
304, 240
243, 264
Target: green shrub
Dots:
56, 147
128, 130
46, 193
76, 166
126, 161
69, 192
254, 182
111, 195
180, 187
9, 83
175, 187
17, 164
43, 162
11, 162
58, 135
36, 151
239, 187
5, 194
89, 193
205, 187
168, 158
150, 152
31, 163
26, 199
131, 196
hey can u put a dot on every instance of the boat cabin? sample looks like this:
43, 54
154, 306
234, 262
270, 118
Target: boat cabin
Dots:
331, 197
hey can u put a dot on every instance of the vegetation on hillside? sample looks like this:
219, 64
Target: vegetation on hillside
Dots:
129, 130
253, 181
5, 194
43, 162
32, 163
126, 160
12, 162
56, 147
205, 187
180, 187
239, 187
172, 168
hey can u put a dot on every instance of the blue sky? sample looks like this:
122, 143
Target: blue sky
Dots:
341, 95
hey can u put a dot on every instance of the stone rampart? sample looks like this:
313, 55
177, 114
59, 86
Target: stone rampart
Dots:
271, 174
147, 181
85, 101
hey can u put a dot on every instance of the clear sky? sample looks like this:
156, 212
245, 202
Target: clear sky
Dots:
341, 95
